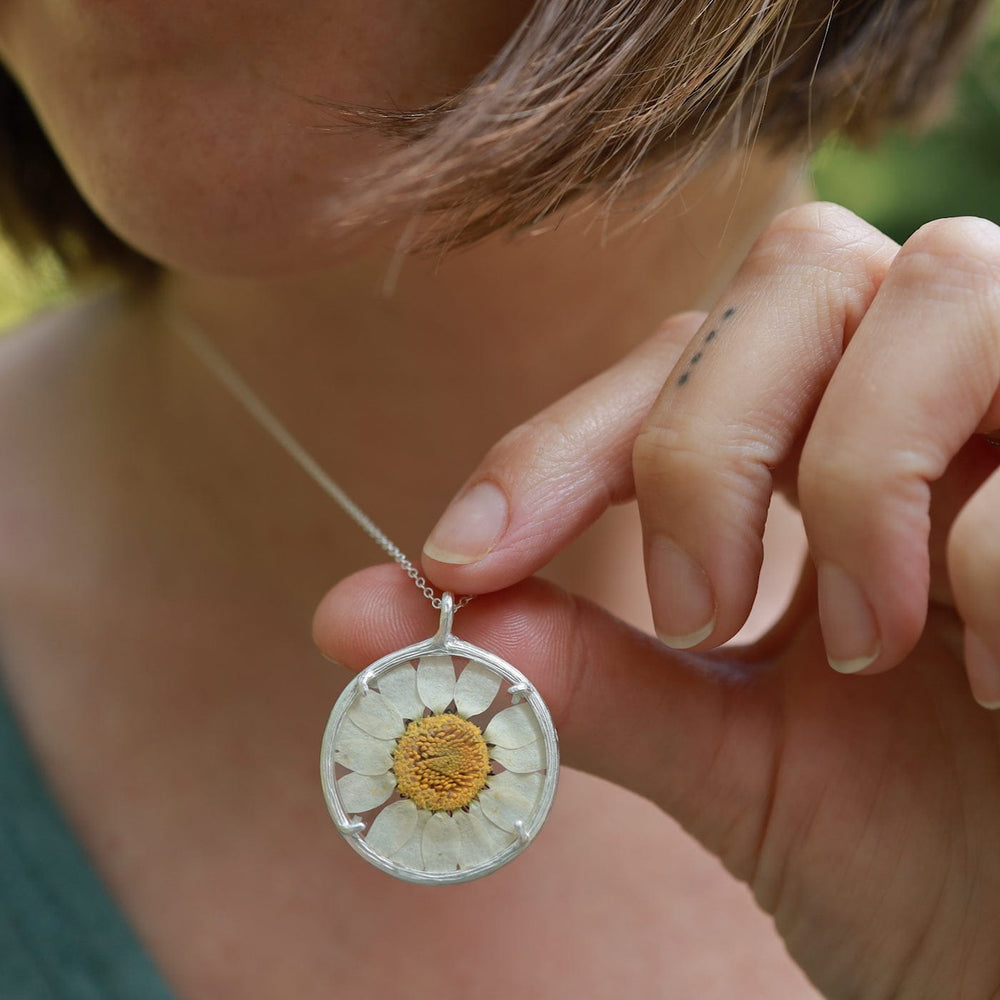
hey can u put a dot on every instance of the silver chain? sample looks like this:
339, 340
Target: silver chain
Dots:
256, 407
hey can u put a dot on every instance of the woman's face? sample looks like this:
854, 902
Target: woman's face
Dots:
190, 125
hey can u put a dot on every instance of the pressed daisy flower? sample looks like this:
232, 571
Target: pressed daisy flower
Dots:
450, 796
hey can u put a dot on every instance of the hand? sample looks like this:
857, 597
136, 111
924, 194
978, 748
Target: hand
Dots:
858, 377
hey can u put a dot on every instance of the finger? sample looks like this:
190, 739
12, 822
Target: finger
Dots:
550, 478
974, 571
734, 409
966, 473
918, 379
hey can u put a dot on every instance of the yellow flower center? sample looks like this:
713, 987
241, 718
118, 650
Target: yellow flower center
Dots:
441, 762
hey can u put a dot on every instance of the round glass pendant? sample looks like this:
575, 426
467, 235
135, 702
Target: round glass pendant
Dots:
440, 761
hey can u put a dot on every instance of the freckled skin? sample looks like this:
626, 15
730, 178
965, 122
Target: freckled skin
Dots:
197, 131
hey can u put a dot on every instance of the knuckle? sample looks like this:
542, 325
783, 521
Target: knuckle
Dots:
829, 473
666, 455
545, 453
847, 484
822, 471
815, 234
655, 449
539, 440
951, 252
847, 457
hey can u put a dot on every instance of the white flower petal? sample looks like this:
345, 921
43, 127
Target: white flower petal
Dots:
442, 844
513, 727
409, 855
530, 757
436, 681
476, 688
481, 840
377, 716
361, 792
497, 837
392, 828
358, 751
352, 729
474, 849
399, 685
511, 797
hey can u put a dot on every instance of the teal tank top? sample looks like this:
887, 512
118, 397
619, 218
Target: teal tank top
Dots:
61, 936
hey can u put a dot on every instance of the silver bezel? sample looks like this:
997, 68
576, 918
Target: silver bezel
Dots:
520, 689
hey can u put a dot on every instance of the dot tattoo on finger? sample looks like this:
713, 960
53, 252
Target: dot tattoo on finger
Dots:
697, 356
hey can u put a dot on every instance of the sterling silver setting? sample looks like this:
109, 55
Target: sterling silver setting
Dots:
514, 689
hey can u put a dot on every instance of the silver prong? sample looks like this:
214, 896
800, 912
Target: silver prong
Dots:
517, 692
353, 828
522, 836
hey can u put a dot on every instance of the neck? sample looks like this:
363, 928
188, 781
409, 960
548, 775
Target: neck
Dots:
398, 375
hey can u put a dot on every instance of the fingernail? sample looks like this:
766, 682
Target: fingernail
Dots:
683, 602
848, 622
983, 668
470, 527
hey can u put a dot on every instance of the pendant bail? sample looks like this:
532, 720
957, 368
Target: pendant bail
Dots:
447, 615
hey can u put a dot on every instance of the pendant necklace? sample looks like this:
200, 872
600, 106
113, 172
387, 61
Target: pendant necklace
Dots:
439, 762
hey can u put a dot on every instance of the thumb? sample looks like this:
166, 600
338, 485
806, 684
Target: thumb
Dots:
694, 733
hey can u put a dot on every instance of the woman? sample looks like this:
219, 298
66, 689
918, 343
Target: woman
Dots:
163, 558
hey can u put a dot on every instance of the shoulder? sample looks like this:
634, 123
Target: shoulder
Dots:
50, 341
50, 378
49, 394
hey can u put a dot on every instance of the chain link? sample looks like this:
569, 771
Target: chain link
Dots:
256, 407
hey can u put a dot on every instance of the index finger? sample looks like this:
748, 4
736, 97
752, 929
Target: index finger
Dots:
547, 480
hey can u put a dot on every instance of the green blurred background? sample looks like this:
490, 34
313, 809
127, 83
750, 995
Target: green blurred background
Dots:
952, 169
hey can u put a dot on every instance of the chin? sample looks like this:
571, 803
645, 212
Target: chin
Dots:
284, 239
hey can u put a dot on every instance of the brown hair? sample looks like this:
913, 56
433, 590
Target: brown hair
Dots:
587, 96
